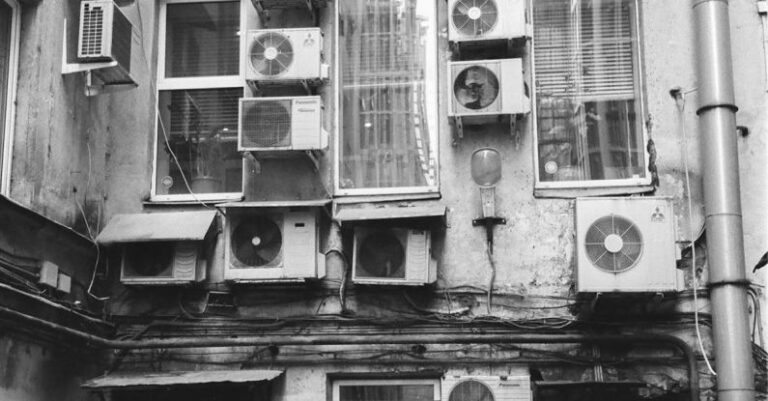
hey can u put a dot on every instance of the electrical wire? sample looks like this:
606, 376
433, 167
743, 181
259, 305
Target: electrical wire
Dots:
492, 278
680, 101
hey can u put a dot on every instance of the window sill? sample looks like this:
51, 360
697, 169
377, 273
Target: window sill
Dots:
570, 193
174, 200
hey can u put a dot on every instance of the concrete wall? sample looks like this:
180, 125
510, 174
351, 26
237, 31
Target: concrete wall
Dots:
97, 151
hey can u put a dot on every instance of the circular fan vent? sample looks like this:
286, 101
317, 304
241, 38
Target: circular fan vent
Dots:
271, 54
474, 17
476, 87
256, 242
613, 243
267, 124
148, 259
471, 390
381, 255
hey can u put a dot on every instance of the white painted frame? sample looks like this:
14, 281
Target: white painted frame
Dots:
387, 382
435, 115
10, 109
203, 82
639, 84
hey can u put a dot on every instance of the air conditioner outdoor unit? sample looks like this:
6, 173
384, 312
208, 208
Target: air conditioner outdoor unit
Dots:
482, 388
162, 263
487, 87
626, 245
281, 123
272, 244
472, 20
285, 54
105, 34
392, 256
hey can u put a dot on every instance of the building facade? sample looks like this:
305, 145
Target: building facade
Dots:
368, 199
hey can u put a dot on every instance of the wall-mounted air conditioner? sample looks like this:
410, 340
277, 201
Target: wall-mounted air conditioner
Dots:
272, 244
392, 256
105, 34
281, 123
626, 245
471, 20
162, 263
487, 87
496, 388
285, 54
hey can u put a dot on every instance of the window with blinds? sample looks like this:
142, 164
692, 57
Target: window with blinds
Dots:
6, 13
388, 62
196, 145
385, 390
589, 106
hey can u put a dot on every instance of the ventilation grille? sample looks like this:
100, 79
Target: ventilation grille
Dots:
381, 255
471, 390
475, 17
613, 244
257, 241
92, 30
271, 54
476, 87
266, 123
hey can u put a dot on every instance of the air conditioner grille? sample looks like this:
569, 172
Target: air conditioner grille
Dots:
381, 255
475, 17
266, 124
476, 87
471, 390
613, 243
92, 30
271, 53
257, 241
149, 259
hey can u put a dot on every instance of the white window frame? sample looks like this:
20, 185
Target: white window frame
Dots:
10, 101
203, 82
385, 382
339, 129
640, 99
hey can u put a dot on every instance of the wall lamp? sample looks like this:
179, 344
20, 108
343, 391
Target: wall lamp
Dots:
486, 172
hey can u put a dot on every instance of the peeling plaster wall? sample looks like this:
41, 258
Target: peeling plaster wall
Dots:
58, 130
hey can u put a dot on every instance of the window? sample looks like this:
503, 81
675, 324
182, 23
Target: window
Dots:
589, 120
9, 37
386, 390
388, 94
198, 88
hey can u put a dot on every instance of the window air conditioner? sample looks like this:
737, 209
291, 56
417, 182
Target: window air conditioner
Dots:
281, 123
270, 245
285, 54
626, 245
487, 87
162, 263
471, 20
105, 34
481, 388
392, 256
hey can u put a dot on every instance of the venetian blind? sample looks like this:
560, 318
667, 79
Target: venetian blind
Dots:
5, 59
584, 48
200, 112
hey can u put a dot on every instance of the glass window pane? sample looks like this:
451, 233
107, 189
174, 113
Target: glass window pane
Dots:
393, 392
200, 127
588, 101
202, 39
5, 63
389, 125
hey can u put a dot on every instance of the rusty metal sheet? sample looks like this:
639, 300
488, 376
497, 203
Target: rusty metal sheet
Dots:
166, 226
285, 203
155, 379
389, 212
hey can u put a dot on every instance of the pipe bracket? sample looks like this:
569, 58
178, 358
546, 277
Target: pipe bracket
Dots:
730, 106
740, 283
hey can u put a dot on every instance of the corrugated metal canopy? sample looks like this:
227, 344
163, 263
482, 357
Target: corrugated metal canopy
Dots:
155, 379
284, 203
388, 213
167, 226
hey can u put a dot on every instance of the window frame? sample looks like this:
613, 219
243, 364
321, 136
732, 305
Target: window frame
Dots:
162, 83
338, 88
7, 139
639, 75
436, 383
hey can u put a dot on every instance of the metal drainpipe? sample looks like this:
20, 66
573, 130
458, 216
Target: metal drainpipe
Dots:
727, 277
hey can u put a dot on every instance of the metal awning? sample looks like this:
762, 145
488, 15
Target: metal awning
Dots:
344, 214
167, 226
284, 203
137, 380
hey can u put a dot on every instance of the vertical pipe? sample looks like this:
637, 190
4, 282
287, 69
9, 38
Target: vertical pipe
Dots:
730, 322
